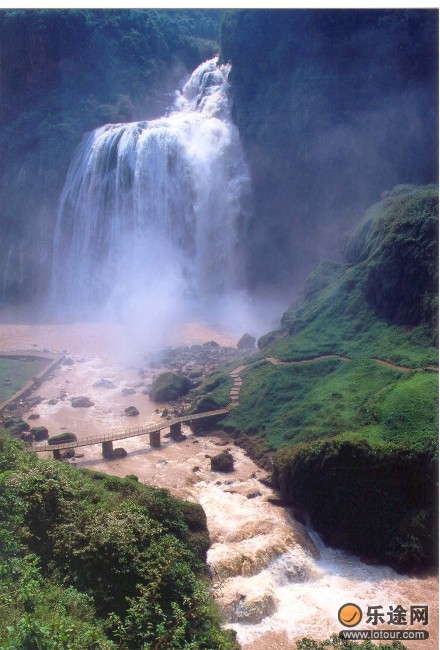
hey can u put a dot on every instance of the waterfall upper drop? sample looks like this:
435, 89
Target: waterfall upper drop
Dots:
155, 208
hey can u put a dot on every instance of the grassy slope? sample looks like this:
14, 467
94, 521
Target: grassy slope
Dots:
286, 404
19, 372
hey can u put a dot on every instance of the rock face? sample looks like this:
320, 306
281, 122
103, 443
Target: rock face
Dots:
223, 462
247, 342
81, 402
169, 386
131, 411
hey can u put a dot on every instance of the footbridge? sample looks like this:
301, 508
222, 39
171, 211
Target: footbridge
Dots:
153, 430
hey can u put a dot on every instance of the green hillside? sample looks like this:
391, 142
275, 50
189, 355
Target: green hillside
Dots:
92, 561
358, 381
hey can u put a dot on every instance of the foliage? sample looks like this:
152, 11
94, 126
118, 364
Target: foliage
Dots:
90, 561
65, 436
374, 499
169, 386
356, 439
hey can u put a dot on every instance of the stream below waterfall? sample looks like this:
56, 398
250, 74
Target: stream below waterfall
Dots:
274, 580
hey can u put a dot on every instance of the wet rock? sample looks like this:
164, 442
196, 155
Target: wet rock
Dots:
33, 416
66, 436
68, 361
196, 468
276, 501
68, 453
40, 433
81, 402
27, 437
104, 383
223, 462
119, 452
250, 610
253, 495
52, 401
131, 411
128, 391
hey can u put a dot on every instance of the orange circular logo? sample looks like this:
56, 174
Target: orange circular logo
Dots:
350, 614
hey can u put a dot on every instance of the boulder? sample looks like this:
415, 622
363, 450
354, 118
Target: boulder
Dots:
81, 402
223, 462
40, 433
66, 436
131, 411
119, 452
247, 342
169, 386
104, 383
128, 391
34, 416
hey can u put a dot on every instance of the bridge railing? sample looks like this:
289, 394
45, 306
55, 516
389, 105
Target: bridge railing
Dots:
129, 433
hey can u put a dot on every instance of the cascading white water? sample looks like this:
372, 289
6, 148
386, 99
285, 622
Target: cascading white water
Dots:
152, 211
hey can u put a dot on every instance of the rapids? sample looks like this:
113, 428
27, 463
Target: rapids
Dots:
274, 580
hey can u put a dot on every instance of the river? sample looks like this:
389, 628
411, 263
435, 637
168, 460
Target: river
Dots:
274, 580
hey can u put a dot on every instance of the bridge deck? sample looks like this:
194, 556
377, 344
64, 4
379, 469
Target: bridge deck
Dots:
130, 433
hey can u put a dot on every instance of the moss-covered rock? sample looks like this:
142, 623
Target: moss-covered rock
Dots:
169, 386
40, 433
375, 500
66, 436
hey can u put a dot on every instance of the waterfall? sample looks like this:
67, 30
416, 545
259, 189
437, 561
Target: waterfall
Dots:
154, 210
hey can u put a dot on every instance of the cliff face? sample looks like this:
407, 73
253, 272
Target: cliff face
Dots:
333, 108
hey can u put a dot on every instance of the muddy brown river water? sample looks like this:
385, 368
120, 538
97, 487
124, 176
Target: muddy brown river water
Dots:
274, 580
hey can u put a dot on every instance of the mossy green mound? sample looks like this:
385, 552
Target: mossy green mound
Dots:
66, 436
377, 500
169, 386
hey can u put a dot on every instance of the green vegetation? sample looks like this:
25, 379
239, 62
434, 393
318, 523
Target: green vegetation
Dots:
91, 561
169, 386
213, 393
376, 499
353, 442
65, 436
14, 374
327, 398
